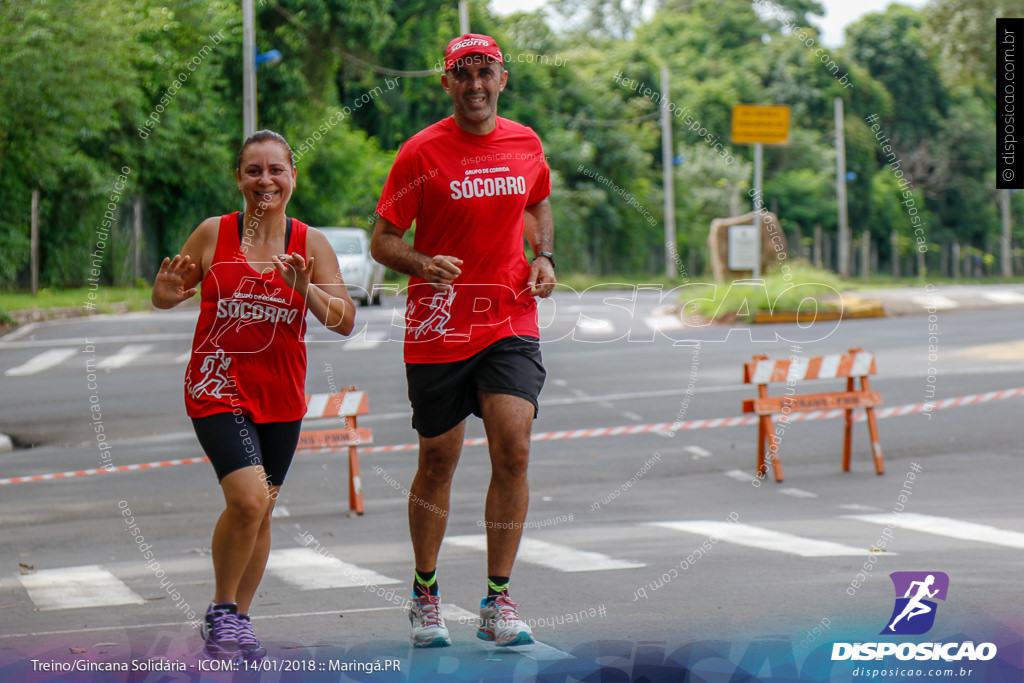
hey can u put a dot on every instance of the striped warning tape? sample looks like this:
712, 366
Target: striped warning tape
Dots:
102, 470
626, 430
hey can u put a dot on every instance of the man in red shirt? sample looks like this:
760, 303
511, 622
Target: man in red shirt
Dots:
474, 184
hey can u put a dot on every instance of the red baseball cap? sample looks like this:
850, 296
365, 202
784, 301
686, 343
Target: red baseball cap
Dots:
471, 44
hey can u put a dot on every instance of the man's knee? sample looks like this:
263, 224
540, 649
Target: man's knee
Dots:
511, 457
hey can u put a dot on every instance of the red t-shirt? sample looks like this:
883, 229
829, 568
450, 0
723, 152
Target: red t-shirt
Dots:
248, 352
466, 194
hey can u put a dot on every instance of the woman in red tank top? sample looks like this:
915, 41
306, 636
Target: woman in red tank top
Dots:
260, 272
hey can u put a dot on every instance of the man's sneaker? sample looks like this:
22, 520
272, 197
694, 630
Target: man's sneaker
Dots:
500, 622
248, 644
220, 631
428, 629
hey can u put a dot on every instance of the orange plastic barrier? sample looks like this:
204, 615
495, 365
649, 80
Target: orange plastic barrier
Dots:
762, 372
349, 404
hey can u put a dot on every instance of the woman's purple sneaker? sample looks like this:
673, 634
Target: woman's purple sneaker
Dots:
220, 631
248, 644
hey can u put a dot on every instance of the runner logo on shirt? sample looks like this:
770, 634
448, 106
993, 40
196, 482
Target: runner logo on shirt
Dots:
213, 380
440, 312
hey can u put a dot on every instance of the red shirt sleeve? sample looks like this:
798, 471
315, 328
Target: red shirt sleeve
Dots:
541, 189
402, 197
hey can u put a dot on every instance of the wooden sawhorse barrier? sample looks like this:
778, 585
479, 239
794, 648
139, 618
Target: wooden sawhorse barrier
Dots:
762, 372
349, 404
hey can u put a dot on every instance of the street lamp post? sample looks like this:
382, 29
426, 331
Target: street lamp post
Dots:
248, 69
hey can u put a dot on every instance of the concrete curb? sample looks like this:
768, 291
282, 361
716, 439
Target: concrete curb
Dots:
6, 445
852, 309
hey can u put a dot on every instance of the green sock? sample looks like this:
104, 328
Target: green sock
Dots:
496, 585
424, 583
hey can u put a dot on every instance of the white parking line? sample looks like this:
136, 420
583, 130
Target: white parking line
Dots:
76, 587
40, 362
551, 555
950, 528
765, 539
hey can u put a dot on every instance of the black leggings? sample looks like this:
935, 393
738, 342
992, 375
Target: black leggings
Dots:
233, 441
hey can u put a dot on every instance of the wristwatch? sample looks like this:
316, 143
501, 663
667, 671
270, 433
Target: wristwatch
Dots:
549, 256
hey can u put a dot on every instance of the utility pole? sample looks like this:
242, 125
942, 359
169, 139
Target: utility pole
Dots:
844, 227
248, 69
668, 175
758, 206
463, 17
34, 237
1004, 240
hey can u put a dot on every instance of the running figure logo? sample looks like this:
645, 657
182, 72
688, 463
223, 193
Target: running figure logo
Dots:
440, 306
914, 612
213, 380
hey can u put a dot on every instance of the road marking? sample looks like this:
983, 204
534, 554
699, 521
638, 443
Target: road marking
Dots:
764, 539
183, 358
698, 452
43, 361
664, 322
855, 507
950, 528
280, 511
630, 415
551, 555
125, 356
538, 651
797, 493
740, 475
594, 325
84, 341
1004, 297
307, 569
186, 624
1013, 351
75, 587
935, 301
364, 341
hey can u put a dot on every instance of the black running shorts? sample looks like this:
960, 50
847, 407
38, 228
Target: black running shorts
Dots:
233, 441
444, 394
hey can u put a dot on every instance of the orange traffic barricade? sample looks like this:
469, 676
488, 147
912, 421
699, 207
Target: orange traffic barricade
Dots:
349, 404
762, 372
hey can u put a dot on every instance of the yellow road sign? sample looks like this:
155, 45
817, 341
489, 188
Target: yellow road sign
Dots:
752, 123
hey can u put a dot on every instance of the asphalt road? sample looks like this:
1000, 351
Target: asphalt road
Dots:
645, 553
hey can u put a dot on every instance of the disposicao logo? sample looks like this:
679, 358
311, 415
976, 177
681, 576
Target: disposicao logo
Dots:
916, 592
913, 615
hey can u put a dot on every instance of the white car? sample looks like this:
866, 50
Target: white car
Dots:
363, 276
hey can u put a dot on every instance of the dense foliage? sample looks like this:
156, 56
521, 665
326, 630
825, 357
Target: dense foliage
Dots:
106, 101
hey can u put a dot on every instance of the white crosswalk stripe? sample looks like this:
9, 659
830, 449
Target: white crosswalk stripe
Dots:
588, 325
366, 340
43, 361
935, 301
1001, 297
307, 569
551, 555
764, 539
945, 526
76, 587
124, 356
